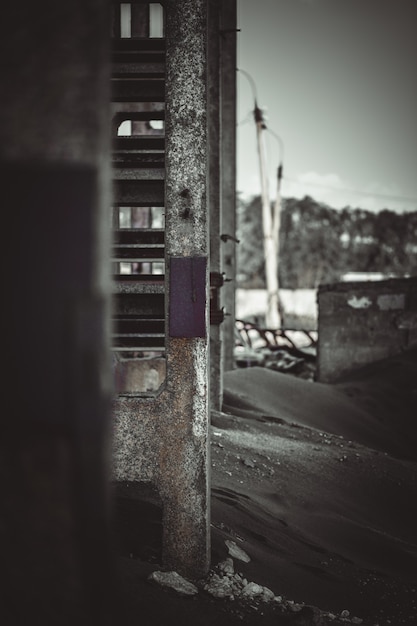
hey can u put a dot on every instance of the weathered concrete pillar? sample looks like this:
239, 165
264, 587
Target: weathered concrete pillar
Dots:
164, 440
228, 175
186, 486
54, 155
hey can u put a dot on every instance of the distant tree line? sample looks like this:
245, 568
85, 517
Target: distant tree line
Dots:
319, 244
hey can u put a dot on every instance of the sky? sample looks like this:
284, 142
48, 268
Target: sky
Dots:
337, 81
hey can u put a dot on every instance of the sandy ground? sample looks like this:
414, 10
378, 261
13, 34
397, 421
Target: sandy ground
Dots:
318, 485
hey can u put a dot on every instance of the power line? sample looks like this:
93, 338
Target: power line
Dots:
251, 82
258, 112
356, 191
246, 119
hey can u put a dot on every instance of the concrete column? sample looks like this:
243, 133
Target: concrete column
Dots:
54, 154
185, 441
216, 334
164, 439
228, 174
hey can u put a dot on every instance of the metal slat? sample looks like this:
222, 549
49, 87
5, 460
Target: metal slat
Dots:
126, 45
139, 64
138, 89
133, 254
139, 143
128, 304
144, 325
138, 173
138, 341
138, 192
139, 236
139, 283
130, 166
138, 245
139, 349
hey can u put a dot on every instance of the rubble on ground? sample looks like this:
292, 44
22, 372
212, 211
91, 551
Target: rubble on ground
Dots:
224, 583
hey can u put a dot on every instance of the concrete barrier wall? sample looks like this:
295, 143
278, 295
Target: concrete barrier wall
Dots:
364, 322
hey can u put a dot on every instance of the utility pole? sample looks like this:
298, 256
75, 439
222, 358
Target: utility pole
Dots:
270, 230
276, 219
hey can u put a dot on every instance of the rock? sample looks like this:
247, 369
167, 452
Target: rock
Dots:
252, 590
219, 587
237, 552
344, 614
226, 566
174, 581
267, 595
309, 616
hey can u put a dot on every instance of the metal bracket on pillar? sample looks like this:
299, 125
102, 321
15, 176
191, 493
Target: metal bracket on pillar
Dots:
216, 312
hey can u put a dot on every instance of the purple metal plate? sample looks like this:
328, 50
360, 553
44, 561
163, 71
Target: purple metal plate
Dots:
187, 300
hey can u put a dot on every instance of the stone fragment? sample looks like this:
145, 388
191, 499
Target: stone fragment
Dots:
310, 616
226, 566
237, 552
219, 587
252, 590
267, 595
174, 581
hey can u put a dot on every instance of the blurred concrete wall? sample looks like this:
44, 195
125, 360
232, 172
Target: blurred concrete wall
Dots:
54, 156
364, 322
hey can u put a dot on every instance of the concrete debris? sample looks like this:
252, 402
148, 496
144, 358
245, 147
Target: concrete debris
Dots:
309, 616
267, 595
237, 552
224, 582
174, 581
252, 589
226, 566
220, 587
